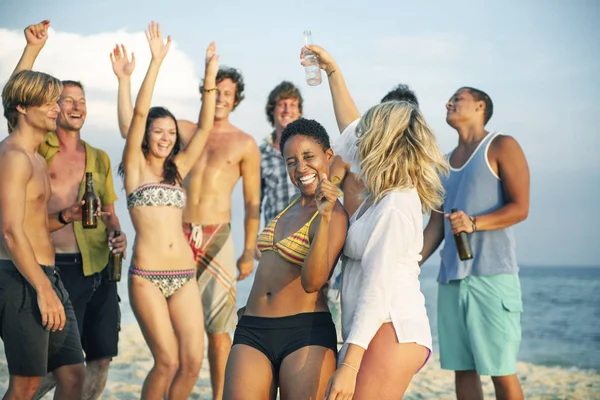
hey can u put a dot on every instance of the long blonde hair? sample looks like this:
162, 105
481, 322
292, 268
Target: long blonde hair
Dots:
398, 150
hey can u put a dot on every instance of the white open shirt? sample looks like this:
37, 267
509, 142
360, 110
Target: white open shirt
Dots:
380, 281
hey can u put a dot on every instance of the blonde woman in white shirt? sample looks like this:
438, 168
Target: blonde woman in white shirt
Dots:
386, 332
387, 337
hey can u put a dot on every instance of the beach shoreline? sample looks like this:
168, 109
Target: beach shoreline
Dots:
129, 368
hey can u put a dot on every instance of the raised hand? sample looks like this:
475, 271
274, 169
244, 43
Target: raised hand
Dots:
326, 62
122, 66
326, 194
37, 34
158, 48
212, 60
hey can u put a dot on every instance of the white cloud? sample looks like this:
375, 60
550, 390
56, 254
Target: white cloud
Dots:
86, 59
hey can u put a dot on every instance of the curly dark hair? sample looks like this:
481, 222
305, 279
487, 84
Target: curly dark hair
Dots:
170, 174
480, 95
401, 93
236, 77
306, 127
285, 90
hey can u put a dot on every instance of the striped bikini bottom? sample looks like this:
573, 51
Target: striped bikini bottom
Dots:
167, 281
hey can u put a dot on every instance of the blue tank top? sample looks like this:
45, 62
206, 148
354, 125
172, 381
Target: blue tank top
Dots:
476, 189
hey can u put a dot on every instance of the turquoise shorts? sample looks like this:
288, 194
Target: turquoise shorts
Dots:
479, 324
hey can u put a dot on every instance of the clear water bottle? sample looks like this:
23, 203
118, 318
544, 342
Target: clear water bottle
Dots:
311, 67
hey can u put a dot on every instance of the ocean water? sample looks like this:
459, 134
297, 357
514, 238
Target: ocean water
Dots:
560, 321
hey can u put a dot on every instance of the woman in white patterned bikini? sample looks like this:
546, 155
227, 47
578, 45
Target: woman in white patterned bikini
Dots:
162, 292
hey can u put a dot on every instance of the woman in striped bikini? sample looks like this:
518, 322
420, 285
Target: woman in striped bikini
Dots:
162, 290
286, 337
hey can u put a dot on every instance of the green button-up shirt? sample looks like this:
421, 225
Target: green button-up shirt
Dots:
93, 243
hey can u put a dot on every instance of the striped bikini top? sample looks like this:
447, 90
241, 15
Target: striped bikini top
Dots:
293, 248
157, 194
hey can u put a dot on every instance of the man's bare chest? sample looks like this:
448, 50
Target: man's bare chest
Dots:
38, 190
219, 157
66, 172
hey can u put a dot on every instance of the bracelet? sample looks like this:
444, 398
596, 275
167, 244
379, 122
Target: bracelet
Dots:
329, 74
473, 223
350, 366
61, 219
204, 90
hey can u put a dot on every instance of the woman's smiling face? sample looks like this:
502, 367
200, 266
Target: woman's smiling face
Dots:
306, 161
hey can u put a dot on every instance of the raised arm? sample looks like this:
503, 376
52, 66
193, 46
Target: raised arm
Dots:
250, 169
132, 155
36, 36
190, 154
123, 68
343, 105
328, 241
15, 174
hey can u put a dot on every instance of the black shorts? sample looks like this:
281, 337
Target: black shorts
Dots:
277, 338
96, 304
30, 349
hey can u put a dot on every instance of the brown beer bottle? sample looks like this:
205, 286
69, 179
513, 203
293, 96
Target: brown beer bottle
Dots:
89, 219
462, 244
114, 264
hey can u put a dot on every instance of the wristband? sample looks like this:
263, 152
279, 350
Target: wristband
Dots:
329, 74
204, 90
61, 219
473, 223
350, 366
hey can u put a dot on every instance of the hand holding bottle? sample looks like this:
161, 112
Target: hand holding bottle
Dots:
74, 212
460, 222
116, 256
326, 62
310, 61
118, 242
91, 205
461, 233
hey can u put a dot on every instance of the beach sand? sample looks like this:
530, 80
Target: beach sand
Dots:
128, 370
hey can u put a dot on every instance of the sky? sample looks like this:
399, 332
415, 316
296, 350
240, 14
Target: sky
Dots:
538, 60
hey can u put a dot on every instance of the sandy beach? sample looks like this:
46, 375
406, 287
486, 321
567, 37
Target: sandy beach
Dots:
129, 369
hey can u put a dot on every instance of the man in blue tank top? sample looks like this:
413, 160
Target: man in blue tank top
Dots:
479, 299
